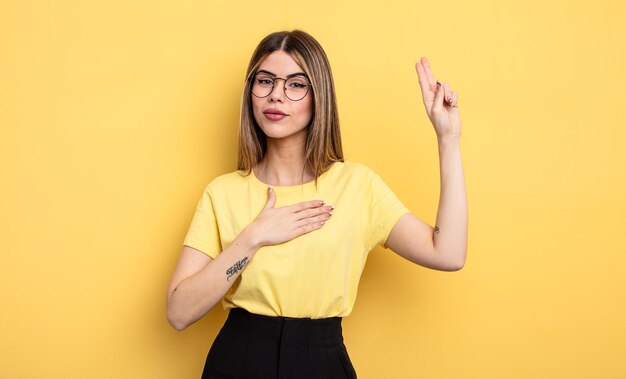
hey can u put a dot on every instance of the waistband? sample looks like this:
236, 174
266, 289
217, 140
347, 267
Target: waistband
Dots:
290, 330
242, 313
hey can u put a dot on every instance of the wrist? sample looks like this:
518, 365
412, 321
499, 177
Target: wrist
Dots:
250, 239
449, 139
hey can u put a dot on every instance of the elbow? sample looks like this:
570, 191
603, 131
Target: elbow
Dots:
451, 264
450, 267
458, 266
177, 324
176, 316
176, 321
180, 317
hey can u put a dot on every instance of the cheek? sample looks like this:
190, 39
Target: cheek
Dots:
256, 110
307, 109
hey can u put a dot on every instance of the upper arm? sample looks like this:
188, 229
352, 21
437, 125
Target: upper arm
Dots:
412, 239
190, 262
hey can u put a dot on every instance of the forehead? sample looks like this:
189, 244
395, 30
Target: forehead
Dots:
280, 63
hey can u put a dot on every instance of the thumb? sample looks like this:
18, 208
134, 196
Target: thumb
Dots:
271, 198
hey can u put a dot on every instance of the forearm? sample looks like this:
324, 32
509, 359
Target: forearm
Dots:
450, 241
197, 295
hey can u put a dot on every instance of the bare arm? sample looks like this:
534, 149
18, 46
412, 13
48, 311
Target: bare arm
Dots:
417, 241
199, 282
443, 248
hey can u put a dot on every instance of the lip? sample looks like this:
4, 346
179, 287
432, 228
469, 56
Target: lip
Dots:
274, 111
274, 114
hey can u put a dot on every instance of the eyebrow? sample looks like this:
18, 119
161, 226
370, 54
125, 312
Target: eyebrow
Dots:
288, 76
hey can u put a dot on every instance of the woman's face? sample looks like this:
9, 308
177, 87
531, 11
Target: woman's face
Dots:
278, 116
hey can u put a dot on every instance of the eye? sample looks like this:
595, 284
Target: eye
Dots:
264, 80
297, 83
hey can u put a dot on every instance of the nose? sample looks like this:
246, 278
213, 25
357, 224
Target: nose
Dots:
278, 92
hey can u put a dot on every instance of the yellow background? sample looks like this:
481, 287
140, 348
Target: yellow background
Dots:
114, 115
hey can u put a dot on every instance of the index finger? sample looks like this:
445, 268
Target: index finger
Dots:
424, 85
429, 73
299, 207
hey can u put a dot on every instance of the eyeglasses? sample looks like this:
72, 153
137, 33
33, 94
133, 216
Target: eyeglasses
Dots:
295, 87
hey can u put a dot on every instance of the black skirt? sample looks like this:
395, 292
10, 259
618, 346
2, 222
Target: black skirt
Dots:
259, 347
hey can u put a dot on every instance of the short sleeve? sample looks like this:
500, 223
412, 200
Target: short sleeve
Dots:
203, 232
383, 210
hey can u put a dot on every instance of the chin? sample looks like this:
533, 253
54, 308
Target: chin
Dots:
282, 131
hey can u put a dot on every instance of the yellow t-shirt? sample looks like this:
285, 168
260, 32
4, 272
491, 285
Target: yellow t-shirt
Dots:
317, 274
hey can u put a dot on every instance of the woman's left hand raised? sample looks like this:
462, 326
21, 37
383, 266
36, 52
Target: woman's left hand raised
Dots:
440, 102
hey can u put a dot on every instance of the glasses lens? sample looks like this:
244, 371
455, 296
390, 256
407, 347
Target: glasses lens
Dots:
296, 87
263, 85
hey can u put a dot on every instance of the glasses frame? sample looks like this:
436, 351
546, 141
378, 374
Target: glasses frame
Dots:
274, 78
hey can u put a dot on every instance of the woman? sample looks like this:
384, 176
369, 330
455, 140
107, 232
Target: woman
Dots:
283, 240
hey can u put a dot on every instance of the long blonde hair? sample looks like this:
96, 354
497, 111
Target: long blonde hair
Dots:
323, 142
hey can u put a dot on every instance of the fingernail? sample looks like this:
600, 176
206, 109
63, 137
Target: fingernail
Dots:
269, 188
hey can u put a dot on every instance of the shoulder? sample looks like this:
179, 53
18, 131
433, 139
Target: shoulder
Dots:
357, 170
369, 182
226, 182
355, 167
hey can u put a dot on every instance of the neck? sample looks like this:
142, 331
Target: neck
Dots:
283, 164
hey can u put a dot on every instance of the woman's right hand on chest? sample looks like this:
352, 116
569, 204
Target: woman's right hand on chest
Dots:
277, 225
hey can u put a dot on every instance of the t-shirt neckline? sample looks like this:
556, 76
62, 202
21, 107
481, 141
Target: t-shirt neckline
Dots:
298, 187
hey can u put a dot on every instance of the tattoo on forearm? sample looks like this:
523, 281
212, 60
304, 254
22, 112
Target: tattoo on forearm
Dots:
238, 266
